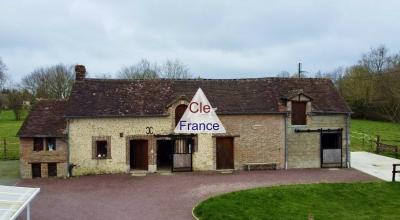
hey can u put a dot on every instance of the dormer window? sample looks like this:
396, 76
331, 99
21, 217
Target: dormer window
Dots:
179, 111
299, 116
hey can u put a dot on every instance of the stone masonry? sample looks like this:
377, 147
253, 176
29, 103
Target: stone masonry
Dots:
28, 156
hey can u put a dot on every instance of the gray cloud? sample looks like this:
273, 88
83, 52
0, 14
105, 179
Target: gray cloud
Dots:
217, 39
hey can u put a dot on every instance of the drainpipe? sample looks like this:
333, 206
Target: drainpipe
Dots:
68, 153
348, 161
286, 147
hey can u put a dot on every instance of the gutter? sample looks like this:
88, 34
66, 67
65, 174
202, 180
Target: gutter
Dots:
286, 146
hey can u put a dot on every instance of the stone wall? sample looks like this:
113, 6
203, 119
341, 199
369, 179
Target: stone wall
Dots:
304, 149
28, 156
258, 139
81, 132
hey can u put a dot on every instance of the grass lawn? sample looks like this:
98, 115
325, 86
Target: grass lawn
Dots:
9, 172
378, 200
8, 130
386, 130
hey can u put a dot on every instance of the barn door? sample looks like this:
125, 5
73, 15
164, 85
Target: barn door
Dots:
225, 153
182, 154
139, 154
331, 150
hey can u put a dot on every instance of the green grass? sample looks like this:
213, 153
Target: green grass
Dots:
8, 130
388, 132
9, 172
322, 201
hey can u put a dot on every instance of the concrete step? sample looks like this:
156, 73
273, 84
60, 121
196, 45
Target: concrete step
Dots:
225, 171
165, 173
138, 172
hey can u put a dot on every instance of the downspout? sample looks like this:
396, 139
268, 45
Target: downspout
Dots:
286, 147
348, 161
68, 151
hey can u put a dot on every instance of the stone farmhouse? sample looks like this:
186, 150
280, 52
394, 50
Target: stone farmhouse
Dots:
119, 126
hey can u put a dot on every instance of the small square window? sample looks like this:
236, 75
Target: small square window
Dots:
51, 144
101, 149
37, 144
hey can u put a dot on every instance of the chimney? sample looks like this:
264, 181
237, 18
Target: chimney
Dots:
80, 72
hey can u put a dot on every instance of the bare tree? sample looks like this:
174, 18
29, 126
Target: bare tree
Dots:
377, 60
15, 103
50, 82
3, 74
141, 70
284, 74
144, 69
174, 69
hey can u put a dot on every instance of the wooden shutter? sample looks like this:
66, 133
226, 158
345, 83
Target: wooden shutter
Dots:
299, 113
179, 111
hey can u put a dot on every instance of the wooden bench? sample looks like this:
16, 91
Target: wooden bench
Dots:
260, 166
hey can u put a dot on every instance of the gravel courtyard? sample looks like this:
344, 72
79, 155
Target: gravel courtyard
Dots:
121, 196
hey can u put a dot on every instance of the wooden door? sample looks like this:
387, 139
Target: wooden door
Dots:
139, 154
36, 170
225, 153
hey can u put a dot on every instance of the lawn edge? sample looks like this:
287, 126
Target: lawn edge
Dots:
278, 185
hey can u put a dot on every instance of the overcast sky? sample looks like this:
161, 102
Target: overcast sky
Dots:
216, 39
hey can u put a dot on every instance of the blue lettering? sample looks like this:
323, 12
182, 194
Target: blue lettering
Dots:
182, 124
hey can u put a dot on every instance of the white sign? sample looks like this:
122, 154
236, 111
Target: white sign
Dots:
199, 117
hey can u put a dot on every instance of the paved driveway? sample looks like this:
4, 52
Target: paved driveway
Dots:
374, 164
121, 196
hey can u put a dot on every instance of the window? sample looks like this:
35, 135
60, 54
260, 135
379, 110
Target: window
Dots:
51, 144
52, 169
179, 111
37, 144
299, 113
101, 149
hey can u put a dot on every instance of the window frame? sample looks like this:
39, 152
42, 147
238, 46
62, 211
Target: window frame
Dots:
35, 144
48, 141
97, 139
295, 112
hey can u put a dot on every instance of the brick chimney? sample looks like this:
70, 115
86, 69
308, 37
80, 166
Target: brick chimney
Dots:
80, 72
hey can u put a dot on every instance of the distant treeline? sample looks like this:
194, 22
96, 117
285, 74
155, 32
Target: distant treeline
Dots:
372, 86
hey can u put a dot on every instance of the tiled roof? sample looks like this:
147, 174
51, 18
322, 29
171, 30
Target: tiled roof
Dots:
45, 120
132, 98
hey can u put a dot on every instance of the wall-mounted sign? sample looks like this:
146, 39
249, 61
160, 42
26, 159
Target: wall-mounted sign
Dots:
199, 117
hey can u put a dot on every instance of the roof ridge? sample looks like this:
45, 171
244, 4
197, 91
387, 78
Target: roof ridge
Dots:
207, 79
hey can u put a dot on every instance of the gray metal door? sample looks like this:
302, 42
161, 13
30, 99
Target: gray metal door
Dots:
182, 154
331, 149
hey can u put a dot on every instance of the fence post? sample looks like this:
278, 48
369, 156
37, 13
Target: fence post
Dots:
394, 173
378, 139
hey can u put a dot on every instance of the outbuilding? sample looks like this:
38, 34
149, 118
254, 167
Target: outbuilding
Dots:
116, 126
